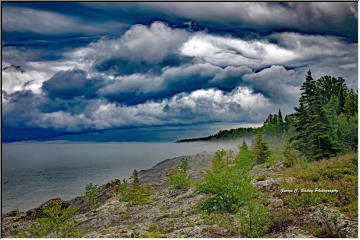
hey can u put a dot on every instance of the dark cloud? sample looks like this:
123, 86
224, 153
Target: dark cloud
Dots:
70, 84
337, 18
105, 65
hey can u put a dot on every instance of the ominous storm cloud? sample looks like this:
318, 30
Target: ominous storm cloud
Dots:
78, 66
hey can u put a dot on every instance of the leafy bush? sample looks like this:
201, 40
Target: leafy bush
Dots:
229, 186
56, 221
221, 160
254, 219
180, 177
135, 194
91, 195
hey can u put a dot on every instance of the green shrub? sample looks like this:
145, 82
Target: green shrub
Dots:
135, 194
245, 158
180, 177
271, 160
221, 160
91, 195
56, 221
230, 189
291, 155
230, 186
254, 219
123, 191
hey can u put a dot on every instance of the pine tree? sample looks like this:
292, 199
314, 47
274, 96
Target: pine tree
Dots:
261, 150
312, 137
280, 117
275, 119
320, 144
135, 180
302, 114
244, 159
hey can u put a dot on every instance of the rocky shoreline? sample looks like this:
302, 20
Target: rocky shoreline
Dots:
173, 213
15, 221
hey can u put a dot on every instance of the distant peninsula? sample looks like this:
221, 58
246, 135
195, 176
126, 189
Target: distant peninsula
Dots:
225, 135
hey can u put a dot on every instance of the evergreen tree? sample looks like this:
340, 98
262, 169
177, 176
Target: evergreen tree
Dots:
261, 150
275, 119
316, 134
348, 134
331, 110
244, 159
300, 138
135, 180
351, 103
280, 117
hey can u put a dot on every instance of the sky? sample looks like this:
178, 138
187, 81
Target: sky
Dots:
79, 66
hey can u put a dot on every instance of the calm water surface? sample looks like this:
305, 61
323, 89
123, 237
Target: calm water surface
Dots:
34, 172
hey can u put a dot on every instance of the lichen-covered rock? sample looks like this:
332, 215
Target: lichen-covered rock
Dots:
274, 202
208, 232
269, 184
335, 222
291, 232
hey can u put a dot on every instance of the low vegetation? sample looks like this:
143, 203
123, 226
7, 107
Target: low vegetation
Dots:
134, 193
231, 190
91, 196
254, 219
338, 173
179, 177
55, 223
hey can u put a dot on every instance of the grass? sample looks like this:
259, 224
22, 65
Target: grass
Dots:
338, 173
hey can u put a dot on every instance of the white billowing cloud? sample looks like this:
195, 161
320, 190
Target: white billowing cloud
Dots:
140, 43
32, 74
292, 49
280, 85
254, 72
44, 22
242, 104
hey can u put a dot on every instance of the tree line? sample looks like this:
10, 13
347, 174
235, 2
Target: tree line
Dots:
324, 123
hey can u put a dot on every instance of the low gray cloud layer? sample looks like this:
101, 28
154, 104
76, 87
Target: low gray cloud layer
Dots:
158, 73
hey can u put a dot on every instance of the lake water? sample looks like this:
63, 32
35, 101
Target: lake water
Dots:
34, 172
